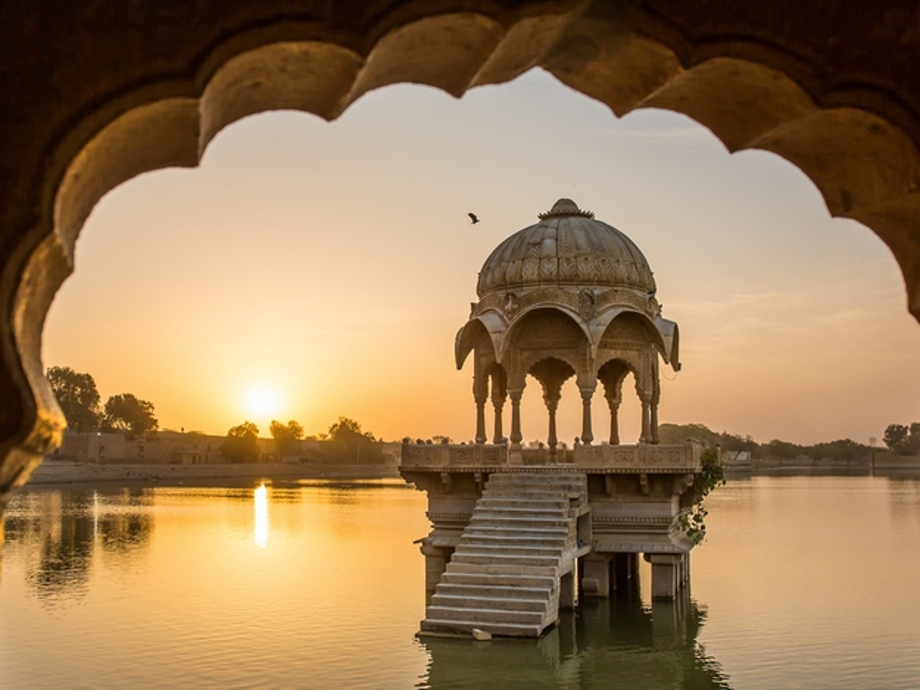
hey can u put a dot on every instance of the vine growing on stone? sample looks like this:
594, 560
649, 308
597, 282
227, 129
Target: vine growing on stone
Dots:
693, 519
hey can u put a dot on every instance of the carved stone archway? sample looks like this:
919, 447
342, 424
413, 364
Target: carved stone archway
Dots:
94, 94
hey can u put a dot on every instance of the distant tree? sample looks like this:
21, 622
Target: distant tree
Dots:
241, 444
77, 395
439, 438
783, 449
285, 435
903, 440
347, 434
130, 415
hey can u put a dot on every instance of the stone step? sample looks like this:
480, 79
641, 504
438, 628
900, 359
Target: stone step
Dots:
518, 503
447, 613
472, 548
504, 559
549, 489
517, 521
504, 629
487, 512
514, 532
571, 476
480, 601
451, 589
501, 538
501, 569
498, 580
544, 482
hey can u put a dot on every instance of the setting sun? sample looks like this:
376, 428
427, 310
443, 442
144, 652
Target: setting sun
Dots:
262, 401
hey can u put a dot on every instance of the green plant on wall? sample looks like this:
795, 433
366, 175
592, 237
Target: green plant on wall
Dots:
692, 519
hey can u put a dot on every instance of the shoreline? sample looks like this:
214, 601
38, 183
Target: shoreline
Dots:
68, 473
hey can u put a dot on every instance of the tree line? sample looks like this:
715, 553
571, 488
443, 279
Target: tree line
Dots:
81, 404
347, 442
841, 449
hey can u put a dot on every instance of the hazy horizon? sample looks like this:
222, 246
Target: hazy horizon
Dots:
331, 264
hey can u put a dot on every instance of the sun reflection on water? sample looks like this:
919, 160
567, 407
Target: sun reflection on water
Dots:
261, 506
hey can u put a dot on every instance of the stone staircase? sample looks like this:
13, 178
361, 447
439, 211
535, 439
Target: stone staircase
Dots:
503, 577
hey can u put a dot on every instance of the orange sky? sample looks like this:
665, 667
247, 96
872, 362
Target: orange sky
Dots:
332, 263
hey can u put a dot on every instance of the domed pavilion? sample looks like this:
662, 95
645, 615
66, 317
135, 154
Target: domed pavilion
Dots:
519, 534
568, 296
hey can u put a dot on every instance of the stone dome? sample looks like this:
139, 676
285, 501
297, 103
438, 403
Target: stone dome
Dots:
567, 247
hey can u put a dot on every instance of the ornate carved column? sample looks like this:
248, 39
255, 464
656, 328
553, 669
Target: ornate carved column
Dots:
587, 435
498, 402
516, 436
499, 394
552, 373
480, 396
653, 423
614, 422
480, 418
646, 420
613, 394
551, 440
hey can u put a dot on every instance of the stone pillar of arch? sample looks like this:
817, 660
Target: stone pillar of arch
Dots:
653, 421
587, 434
480, 395
499, 395
516, 436
646, 398
552, 373
611, 375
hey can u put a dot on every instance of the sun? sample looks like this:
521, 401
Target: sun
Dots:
262, 401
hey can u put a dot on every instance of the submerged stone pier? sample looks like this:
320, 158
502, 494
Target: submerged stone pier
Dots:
511, 544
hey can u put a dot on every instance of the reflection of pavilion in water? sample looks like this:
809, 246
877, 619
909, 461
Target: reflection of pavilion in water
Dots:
71, 529
619, 640
518, 532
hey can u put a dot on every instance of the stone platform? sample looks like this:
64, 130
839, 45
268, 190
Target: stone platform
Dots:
514, 539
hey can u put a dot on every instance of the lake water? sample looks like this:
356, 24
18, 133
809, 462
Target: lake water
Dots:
803, 582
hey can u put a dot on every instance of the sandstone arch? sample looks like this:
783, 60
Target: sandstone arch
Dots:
830, 88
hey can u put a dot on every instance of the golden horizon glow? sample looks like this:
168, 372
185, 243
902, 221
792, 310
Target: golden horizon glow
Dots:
338, 258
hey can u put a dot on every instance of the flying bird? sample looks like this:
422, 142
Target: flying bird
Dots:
473, 218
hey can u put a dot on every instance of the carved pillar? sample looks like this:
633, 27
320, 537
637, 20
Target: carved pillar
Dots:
653, 424
587, 435
612, 375
480, 396
498, 405
516, 436
551, 440
646, 419
499, 394
552, 373
614, 421
480, 419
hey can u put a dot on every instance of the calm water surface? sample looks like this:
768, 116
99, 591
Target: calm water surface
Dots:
803, 582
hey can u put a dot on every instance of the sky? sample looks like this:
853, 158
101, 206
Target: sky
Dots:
309, 270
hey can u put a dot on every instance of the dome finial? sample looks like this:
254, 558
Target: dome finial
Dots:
563, 208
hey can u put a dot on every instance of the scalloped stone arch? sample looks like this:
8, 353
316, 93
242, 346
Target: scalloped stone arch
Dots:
831, 90
530, 313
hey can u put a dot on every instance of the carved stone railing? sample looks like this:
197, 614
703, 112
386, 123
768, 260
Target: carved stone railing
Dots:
452, 455
636, 458
643, 457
